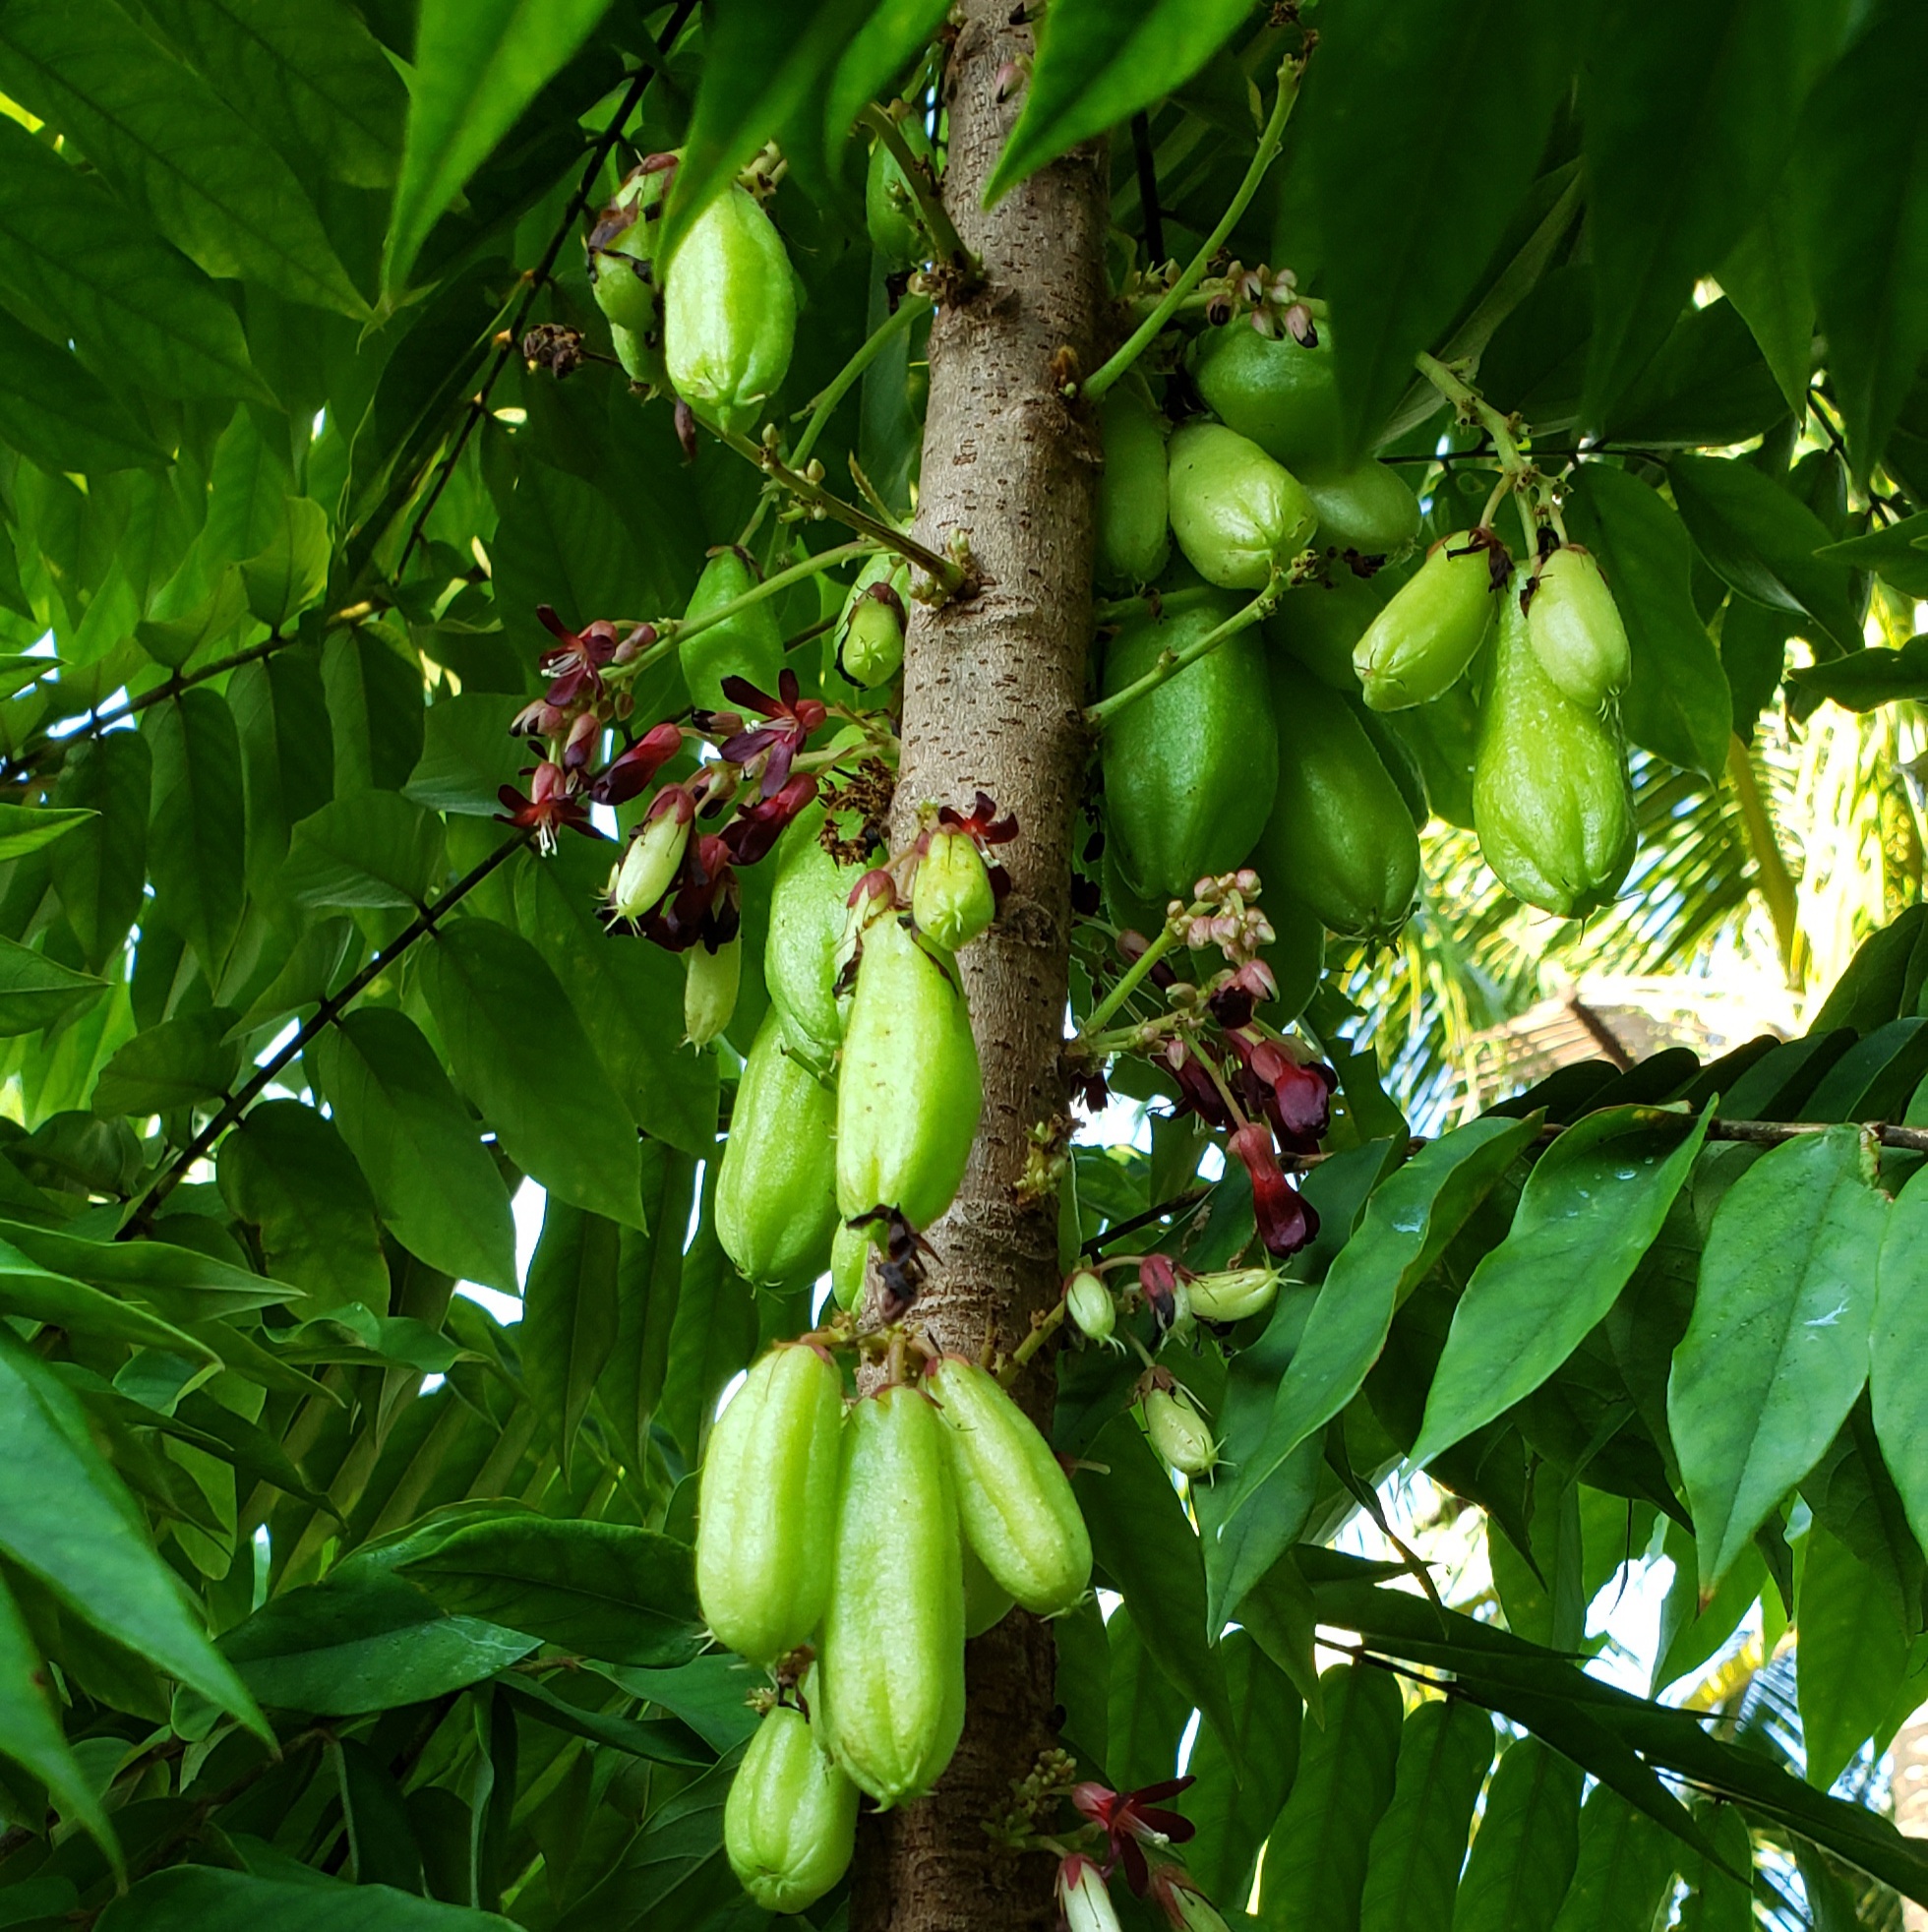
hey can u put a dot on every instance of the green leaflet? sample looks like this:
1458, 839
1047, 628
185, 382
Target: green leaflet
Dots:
215, 1901
1851, 1659
1899, 1349
1233, 1813
1717, 1900
1413, 1870
1145, 1712
1623, 1871
196, 843
1522, 1857
1316, 1859
570, 1317
1591, 1208
1777, 1346
1409, 1219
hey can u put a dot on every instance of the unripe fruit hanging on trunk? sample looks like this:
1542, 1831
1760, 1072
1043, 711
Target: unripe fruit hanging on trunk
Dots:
1189, 768
790, 1821
776, 1197
987, 1602
746, 645
951, 898
1134, 538
807, 921
1321, 622
1575, 629
1366, 509
1280, 393
1237, 515
909, 1091
766, 1507
891, 1667
729, 312
850, 1251
1419, 646
1012, 1496
1089, 1304
871, 629
1550, 797
1180, 1434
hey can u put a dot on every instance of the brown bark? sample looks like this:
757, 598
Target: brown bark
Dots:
993, 693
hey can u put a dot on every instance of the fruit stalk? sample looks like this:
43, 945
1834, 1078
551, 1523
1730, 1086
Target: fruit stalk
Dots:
992, 689
945, 237
903, 316
1105, 710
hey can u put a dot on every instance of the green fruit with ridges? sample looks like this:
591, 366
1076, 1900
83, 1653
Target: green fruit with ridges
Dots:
776, 1194
909, 1091
891, 212
1575, 629
1340, 837
1236, 513
1366, 509
1280, 393
620, 252
1419, 646
766, 1506
890, 1665
807, 921
951, 898
1189, 767
1320, 622
1013, 1496
870, 626
1401, 766
729, 312
746, 645
1180, 1434
1134, 538
987, 1602
1550, 797
850, 1250
790, 1821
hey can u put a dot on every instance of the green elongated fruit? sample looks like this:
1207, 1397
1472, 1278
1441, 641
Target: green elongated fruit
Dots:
890, 212
1189, 768
1320, 622
776, 1193
641, 354
1280, 395
1134, 540
1297, 954
766, 1506
1419, 646
951, 897
790, 1821
849, 1251
1402, 765
890, 1666
1237, 515
621, 248
909, 1092
986, 1602
746, 645
1090, 1304
870, 628
1341, 837
1575, 629
1550, 797
1180, 1434
807, 921
1012, 1494
1366, 509
729, 312
710, 981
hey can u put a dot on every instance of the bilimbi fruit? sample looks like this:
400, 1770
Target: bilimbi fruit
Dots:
649, 862
909, 1092
1420, 644
987, 1602
1279, 393
749, 645
766, 1507
622, 268
1366, 509
871, 631
1233, 1294
807, 912
1576, 628
1237, 515
1013, 1497
710, 979
951, 897
1550, 797
890, 1665
1133, 533
729, 312
776, 1197
1089, 1304
1181, 1436
1190, 766
1320, 622
790, 1821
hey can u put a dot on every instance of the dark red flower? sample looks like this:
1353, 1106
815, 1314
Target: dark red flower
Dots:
1244, 991
575, 667
631, 771
1286, 1221
1197, 1089
1131, 1819
550, 805
1295, 1095
789, 720
981, 822
758, 828
703, 903
1158, 1279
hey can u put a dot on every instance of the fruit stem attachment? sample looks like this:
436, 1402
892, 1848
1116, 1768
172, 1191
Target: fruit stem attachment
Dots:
1475, 408
1171, 663
1042, 1330
945, 237
1133, 977
1162, 603
907, 311
1291, 72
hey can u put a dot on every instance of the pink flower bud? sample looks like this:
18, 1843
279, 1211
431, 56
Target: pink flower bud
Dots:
643, 873
1082, 1896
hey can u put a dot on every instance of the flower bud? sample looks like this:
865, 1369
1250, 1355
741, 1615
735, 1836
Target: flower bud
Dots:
1233, 1294
1088, 1301
1178, 1433
951, 897
709, 990
1186, 1907
1082, 1896
643, 873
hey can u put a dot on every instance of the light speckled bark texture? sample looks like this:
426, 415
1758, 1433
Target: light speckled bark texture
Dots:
993, 693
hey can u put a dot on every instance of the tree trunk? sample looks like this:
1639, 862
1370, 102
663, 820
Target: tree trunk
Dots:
993, 693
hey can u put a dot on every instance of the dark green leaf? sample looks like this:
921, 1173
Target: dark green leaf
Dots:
602, 1590
569, 1320
172, 1065
1866, 680
1234, 1803
1852, 1656
197, 842
1145, 1712
1882, 982
1898, 1351
289, 573
661, 1740
1624, 1870
35, 1294
100, 868
416, 1145
1898, 552
1523, 1858
1693, 1634
36, 992
1766, 278
466, 754
61, 418
372, 849
1875, 1079
182, 1285
875, 56
1678, 703
1717, 1900
215, 1901
1413, 1871
1591, 1208
519, 1052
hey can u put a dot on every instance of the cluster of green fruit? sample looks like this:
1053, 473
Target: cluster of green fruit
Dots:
1315, 746
881, 1533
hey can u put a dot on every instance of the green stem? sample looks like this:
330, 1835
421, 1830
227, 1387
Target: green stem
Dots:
872, 345
1048, 1325
1171, 663
1134, 977
1473, 408
1163, 603
945, 237
1290, 73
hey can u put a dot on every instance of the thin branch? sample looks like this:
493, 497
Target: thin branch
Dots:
1172, 662
907, 311
921, 182
1117, 1230
141, 1221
